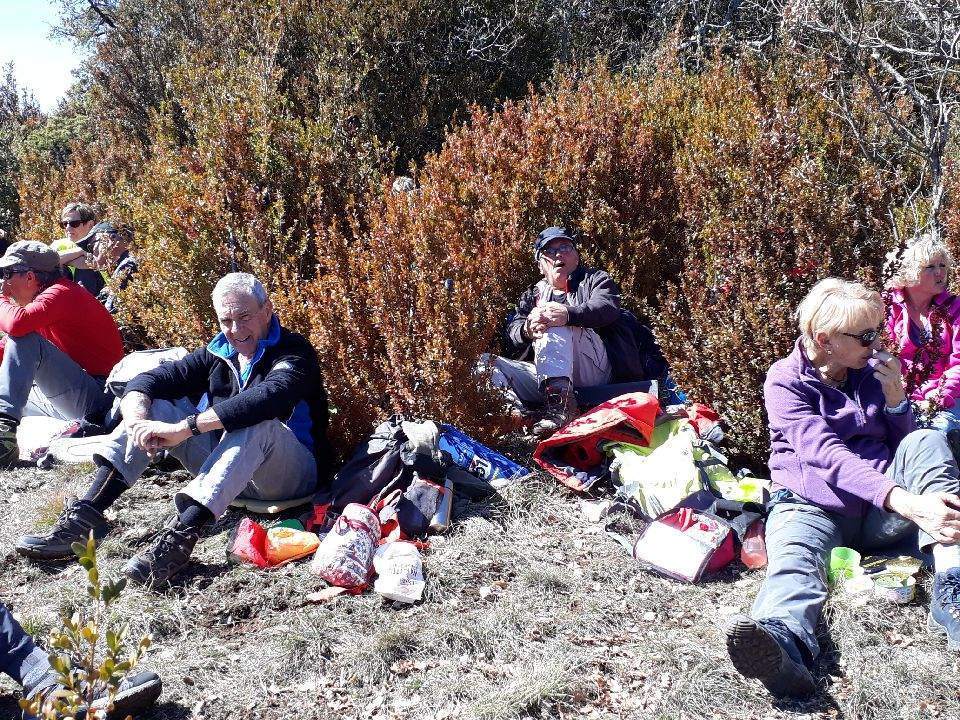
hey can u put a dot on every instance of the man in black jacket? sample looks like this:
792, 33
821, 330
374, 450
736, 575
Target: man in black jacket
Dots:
578, 334
246, 415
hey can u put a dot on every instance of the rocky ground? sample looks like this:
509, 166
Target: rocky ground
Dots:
529, 611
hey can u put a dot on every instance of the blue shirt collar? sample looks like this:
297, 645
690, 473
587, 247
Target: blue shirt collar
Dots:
220, 347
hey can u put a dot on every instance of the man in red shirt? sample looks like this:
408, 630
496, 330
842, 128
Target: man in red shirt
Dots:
60, 346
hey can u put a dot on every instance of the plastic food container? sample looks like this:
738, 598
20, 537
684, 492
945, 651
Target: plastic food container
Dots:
904, 564
858, 584
844, 562
896, 587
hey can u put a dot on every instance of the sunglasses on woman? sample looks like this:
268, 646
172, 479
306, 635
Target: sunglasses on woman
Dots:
866, 338
71, 223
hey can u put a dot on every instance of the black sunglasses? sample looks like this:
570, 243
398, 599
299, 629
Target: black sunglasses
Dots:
558, 250
71, 223
6, 274
866, 338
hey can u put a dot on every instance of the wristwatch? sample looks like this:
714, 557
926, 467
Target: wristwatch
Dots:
192, 424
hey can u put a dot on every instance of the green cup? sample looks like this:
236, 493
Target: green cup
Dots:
844, 562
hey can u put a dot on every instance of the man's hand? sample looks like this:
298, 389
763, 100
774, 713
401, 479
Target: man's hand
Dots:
554, 314
106, 251
937, 514
889, 374
534, 324
153, 435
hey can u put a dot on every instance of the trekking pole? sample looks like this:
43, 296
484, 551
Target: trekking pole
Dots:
233, 249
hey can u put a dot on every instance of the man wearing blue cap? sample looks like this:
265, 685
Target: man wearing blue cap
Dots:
562, 320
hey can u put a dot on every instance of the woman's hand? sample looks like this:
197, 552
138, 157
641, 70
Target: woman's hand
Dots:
890, 375
937, 514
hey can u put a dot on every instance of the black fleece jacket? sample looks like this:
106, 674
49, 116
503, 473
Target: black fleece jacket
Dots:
593, 301
283, 382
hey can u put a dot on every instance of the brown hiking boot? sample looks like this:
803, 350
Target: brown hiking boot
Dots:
561, 407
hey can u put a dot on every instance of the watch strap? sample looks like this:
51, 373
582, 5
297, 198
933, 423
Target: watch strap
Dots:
192, 424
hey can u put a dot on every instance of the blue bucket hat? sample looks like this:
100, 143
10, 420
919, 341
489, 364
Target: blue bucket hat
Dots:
548, 235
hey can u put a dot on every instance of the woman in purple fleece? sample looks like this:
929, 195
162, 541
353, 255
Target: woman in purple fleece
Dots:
848, 467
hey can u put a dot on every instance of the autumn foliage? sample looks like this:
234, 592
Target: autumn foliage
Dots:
716, 198
409, 296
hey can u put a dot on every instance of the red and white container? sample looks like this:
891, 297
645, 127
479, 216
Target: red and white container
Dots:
345, 556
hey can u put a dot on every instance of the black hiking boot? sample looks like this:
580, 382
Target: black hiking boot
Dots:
74, 525
134, 695
944, 618
163, 561
9, 452
561, 406
756, 653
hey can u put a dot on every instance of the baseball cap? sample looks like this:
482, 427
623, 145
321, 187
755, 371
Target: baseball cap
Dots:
548, 235
102, 227
30, 255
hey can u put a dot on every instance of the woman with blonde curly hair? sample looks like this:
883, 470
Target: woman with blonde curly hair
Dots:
847, 467
924, 326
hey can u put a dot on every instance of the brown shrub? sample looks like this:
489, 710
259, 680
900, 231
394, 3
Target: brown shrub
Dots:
775, 196
403, 309
243, 194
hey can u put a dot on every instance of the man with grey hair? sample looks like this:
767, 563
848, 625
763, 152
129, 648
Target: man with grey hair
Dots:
246, 416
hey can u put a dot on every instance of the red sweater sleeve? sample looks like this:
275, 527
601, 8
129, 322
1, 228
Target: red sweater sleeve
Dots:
45, 309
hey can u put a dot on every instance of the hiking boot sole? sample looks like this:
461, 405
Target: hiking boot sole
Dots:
935, 628
136, 699
756, 654
44, 553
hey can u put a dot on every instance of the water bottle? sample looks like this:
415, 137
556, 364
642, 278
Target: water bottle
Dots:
753, 554
441, 518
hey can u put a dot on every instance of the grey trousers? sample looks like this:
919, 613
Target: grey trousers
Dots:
38, 378
800, 536
572, 352
264, 461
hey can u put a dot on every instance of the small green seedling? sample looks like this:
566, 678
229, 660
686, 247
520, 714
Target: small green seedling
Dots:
89, 657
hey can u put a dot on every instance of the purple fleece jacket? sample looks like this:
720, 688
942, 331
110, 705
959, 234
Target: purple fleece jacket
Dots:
826, 447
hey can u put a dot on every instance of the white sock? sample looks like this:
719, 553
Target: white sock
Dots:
945, 557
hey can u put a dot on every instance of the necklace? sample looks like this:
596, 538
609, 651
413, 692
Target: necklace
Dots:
831, 380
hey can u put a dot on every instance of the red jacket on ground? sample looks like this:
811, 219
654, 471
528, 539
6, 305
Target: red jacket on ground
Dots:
70, 318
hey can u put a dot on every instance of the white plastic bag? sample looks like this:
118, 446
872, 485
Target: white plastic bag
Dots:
400, 571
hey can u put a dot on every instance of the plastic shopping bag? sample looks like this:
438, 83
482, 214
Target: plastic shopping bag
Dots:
345, 556
399, 572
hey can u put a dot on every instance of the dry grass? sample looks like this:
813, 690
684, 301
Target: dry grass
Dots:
529, 611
